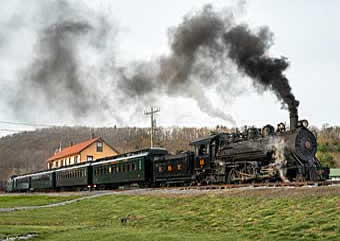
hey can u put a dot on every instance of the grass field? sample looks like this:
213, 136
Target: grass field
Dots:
202, 217
10, 201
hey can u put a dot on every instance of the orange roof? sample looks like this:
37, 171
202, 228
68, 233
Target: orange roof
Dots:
71, 150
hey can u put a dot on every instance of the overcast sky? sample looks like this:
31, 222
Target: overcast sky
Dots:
305, 31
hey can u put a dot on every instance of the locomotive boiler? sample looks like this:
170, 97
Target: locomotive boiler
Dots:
253, 155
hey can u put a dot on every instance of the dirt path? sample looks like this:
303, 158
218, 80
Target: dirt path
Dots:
264, 192
2, 210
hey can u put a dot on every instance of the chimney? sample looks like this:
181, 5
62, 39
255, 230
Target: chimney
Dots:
71, 143
293, 120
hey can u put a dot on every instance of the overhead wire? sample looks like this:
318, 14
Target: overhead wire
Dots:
26, 124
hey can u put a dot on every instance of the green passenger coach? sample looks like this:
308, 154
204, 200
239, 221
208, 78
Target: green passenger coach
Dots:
135, 168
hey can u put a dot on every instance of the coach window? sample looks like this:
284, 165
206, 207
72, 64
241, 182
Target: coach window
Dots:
169, 168
140, 164
179, 167
99, 146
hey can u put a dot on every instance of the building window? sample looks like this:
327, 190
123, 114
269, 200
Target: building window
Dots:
99, 146
76, 159
89, 158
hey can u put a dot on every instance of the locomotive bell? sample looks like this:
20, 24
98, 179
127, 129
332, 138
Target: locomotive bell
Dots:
303, 123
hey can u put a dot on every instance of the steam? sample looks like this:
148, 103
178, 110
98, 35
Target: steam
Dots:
57, 81
74, 71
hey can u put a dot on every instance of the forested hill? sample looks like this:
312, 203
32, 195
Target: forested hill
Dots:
28, 151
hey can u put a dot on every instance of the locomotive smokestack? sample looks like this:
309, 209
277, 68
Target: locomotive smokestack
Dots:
294, 117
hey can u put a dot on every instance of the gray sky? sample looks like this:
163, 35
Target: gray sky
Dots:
306, 32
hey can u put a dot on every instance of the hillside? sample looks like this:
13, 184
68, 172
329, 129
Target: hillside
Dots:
329, 145
253, 214
28, 151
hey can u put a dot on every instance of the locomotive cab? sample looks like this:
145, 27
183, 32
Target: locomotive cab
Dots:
205, 150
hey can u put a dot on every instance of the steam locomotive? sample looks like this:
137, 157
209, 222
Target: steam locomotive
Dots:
253, 155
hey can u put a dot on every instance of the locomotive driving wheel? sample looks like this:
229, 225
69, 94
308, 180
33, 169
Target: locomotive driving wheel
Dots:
234, 176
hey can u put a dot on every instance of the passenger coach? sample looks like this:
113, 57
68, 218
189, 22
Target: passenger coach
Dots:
130, 168
110, 172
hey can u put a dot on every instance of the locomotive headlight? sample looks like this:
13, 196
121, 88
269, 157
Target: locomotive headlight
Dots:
308, 145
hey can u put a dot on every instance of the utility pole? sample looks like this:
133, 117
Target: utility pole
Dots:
152, 112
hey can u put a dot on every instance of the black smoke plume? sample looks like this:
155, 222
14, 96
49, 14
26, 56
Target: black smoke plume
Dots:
208, 50
248, 51
204, 50
194, 64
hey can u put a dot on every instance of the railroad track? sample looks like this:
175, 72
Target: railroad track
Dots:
261, 185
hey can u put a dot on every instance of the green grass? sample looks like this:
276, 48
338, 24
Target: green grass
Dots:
182, 218
10, 201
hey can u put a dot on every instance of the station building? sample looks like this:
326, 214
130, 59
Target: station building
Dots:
86, 151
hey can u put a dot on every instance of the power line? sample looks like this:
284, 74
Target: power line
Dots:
11, 130
26, 124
